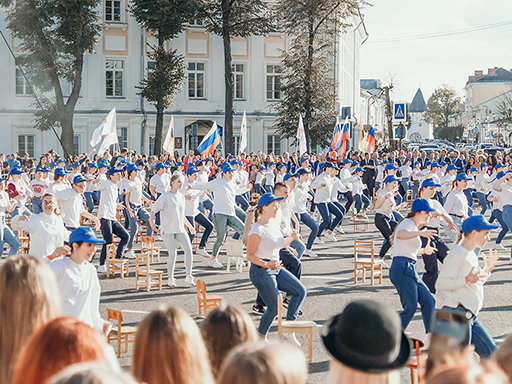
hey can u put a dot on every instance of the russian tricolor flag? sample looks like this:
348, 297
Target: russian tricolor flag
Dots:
210, 141
370, 141
335, 136
341, 144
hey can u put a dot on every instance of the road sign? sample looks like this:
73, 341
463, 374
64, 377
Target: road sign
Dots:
400, 131
399, 111
465, 134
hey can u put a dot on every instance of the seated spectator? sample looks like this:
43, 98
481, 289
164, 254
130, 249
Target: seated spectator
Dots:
169, 350
367, 344
92, 373
28, 299
58, 344
263, 363
225, 328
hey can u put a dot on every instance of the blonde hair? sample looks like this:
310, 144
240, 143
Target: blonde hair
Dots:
28, 298
225, 328
169, 350
262, 363
339, 373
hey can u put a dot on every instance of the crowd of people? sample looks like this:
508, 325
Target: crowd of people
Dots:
264, 199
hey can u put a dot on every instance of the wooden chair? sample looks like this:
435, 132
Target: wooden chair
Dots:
373, 199
140, 231
24, 241
297, 326
111, 262
119, 333
408, 198
360, 224
147, 244
375, 266
205, 301
255, 196
144, 274
415, 363
235, 248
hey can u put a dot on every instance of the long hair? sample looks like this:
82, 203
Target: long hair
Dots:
341, 374
169, 350
58, 344
29, 297
225, 328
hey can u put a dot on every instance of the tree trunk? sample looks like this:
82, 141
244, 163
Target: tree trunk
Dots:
67, 134
307, 84
159, 127
228, 80
392, 142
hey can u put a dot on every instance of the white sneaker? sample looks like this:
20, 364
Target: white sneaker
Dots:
340, 230
102, 269
510, 261
364, 216
171, 282
129, 255
233, 259
290, 337
202, 252
310, 253
318, 241
499, 246
158, 238
213, 263
330, 236
190, 280
385, 265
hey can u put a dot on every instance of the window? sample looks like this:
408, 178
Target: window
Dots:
76, 144
114, 77
236, 141
22, 87
196, 23
196, 80
273, 82
274, 144
113, 10
151, 145
122, 137
26, 144
151, 66
238, 75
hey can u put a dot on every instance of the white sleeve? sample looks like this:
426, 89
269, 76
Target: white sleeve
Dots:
448, 279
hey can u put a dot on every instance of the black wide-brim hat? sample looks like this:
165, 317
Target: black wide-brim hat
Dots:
367, 336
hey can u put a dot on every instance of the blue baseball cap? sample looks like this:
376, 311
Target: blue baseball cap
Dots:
359, 169
46, 170
462, 176
93, 165
160, 165
208, 159
198, 163
452, 167
421, 204
281, 166
500, 174
60, 161
262, 168
192, 170
52, 164
139, 163
227, 168
442, 163
268, 198
79, 178
476, 222
428, 163
429, 183
483, 165
103, 165
60, 172
474, 169
390, 178
76, 164
406, 160
434, 165
234, 162
303, 160
354, 163
288, 175
39, 169
302, 171
347, 161
132, 167
390, 166
499, 165
113, 170
16, 171
85, 234
327, 164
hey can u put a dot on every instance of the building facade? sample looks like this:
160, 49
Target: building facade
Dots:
419, 129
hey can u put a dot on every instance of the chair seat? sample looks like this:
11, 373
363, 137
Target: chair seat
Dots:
118, 261
124, 329
298, 324
151, 272
369, 261
213, 297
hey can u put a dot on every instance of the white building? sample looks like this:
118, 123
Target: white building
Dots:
373, 107
120, 55
419, 128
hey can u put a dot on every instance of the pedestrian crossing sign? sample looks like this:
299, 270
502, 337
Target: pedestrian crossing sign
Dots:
399, 111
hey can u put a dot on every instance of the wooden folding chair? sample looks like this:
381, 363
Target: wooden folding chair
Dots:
360, 224
205, 301
416, 363
119, 333
295, 326
144, 274
24, 240
408, 198
147, 244
366, 247
235, 248
111, 262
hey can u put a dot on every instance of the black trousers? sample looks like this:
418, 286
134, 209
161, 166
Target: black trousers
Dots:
431, 268
350, 200
386, 226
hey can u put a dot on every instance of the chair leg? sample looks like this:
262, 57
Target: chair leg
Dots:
380, 276
412, 375
310, 345
118, 344
372, 273
364, 273
355, 273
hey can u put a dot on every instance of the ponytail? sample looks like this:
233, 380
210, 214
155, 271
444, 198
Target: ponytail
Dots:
257, 213
460, 236
420, 191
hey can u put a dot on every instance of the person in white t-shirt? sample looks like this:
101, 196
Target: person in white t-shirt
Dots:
60, 181
461, 279
89, 193
6, 234
171, 206
38, 188
402, 273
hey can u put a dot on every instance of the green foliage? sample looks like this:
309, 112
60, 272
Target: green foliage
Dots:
504, 107
453, 134
441, 106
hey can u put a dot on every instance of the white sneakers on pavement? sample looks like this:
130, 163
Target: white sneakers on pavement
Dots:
318, 241
102, 269
340, 230
213, 263
129, 255
202, 252
330, 236
171, 282
310, 253
158, 238
290, 337
190, 280
499, 246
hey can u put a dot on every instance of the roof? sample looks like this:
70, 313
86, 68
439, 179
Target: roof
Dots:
418, 103
502, 75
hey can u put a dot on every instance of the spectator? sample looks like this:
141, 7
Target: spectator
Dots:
487, 373
169, 350
91, 373
225, 328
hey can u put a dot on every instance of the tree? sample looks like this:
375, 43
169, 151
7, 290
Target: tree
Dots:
308, 66
442, 105
165, 19
55, 36
228, 19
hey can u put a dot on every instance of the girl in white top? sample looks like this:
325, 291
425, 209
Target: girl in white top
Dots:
323, 190
406, 172
403, 275
6, 233
270, 177
281, 173
78, 280
171, 206
263, 245
482, 187
456, 204
497, 213
60, 181
38, 187
448, 179
504, 186
89, 191
361, 200
47, 230
461, 279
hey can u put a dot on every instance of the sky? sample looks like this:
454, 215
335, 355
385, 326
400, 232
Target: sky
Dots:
397, 48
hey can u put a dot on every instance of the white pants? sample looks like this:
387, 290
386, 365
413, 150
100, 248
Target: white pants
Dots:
170, 243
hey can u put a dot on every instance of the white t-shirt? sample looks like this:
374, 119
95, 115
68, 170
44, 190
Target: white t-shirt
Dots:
192, 205
506, 194
159, 182
271, 240
435, 222
386, 208
134, 188
38, 187
107, 207
72, 206
406, 248
172, 212
56, 187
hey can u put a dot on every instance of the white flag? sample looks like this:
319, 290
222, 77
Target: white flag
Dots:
107, 126
109, 140
169, 138
301, 137
243, 134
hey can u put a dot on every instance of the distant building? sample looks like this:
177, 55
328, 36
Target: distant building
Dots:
419, 128
373, 107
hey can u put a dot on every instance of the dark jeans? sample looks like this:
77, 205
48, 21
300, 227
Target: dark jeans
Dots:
370, 183
507, 218
107, 228
242, 202
205, 223
362, 202
350, 200
482, 201
89, 200
311, 224
430, 261
326, 209
504, 227
386, 226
